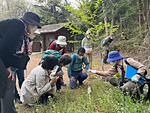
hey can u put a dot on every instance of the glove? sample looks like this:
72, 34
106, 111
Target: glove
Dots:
135, 78
93, 71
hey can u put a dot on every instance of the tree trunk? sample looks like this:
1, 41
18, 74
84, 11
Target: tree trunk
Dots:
105, 18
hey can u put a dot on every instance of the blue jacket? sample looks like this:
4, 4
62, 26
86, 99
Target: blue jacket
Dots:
76, 64
11, 34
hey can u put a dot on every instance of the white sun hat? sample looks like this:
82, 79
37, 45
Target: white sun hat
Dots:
61, 40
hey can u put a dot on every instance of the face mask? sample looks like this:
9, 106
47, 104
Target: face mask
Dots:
88, 36
112, 63
61, 45
66, 66
33, 29
80, 57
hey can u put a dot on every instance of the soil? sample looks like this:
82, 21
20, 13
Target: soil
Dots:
35, 59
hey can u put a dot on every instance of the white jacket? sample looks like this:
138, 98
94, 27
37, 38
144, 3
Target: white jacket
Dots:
36, 84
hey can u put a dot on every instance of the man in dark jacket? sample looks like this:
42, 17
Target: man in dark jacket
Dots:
12, 32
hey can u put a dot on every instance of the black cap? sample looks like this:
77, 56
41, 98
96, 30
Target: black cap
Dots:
31, 18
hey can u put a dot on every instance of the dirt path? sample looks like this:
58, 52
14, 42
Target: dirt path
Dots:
35, 59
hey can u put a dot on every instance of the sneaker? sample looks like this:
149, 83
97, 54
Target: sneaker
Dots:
18, 101
80, 83
58, 91
31, 105
63, 84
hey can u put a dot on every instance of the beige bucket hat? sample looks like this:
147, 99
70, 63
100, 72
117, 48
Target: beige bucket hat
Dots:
61, 40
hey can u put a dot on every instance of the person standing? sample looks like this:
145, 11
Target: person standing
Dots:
12, 32
87, 45
105, 45
75, 71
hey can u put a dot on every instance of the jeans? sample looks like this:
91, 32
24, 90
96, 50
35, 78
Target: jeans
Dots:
20, 76
7, 103
78, 76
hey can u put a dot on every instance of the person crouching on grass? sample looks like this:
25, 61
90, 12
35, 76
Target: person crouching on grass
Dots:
75, 71
120, 66
38, 85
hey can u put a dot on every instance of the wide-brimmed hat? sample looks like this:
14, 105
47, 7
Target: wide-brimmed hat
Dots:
31, 18
114, 55
88, 32
61, 40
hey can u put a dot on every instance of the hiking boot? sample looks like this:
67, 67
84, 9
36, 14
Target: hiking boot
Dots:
80, 83
18, 101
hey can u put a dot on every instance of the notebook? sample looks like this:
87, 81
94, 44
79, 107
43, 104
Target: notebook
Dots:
131, 71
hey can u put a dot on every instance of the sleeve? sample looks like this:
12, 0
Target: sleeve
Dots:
112, 71
41, 86
82, 44
69, 67
106, 41
141, 68
64, 50
52, 46
86, 62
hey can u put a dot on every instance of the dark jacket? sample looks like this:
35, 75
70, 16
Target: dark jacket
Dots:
11, 34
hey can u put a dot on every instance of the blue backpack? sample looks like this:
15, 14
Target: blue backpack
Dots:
102, 41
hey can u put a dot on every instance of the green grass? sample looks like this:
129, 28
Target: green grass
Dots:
103, 98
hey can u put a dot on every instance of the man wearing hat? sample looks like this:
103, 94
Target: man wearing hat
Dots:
12, 32
105, 45
120, 66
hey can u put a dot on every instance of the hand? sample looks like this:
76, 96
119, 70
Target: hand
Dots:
73, 79
54, 80
93, 71
11, 74
135, 78
83, 71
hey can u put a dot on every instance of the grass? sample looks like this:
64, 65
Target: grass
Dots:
104, 98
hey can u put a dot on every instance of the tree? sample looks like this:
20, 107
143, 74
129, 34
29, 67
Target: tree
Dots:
52, 11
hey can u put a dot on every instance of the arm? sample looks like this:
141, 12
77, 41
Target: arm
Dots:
141, 68
52, 46
112, 71
107, 40
82, 44
86, 62
69, 68
41, 85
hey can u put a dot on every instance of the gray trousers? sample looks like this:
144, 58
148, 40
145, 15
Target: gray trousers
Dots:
129, 86
7, 103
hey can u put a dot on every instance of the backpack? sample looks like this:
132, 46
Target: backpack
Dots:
50, 44
51, 52
102, 41
131, 72
74, 58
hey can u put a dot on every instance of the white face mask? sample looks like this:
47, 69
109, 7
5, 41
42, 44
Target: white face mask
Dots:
61, 45
88, 36
80, 57
33, 29
112, 63
66, 66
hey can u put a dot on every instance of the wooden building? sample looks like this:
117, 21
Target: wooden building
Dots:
51, 32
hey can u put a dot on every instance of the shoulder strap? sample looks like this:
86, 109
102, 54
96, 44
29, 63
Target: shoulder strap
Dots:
74, 58
125, 59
